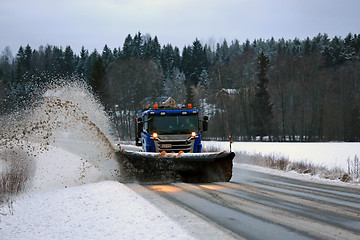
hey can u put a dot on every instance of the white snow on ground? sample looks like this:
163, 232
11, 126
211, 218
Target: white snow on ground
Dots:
295, 175
333, 154
69, 199
58, 168
105, 210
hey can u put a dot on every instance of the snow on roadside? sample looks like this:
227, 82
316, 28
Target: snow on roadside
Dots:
105, 210
73, 198
58, 168
296, 175
332, 154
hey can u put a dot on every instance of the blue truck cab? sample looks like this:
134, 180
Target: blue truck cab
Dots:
169, 129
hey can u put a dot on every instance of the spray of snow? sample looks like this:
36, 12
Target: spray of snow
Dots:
67, 123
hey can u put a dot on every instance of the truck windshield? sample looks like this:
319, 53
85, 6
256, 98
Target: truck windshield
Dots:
173, 124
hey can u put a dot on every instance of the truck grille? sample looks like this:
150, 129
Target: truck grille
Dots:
174, 145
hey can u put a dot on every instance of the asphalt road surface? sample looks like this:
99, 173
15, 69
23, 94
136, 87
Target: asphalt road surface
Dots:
258, 205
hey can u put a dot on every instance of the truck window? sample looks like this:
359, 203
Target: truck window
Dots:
174, 124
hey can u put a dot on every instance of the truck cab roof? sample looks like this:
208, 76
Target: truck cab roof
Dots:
167, 111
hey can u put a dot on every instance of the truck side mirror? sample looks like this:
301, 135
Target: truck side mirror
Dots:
138, 130
139, 125
205, 124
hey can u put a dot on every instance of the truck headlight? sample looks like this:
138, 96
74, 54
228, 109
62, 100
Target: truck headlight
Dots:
155, 135
193, 134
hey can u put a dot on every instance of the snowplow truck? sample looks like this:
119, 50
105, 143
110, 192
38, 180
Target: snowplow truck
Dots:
171, 147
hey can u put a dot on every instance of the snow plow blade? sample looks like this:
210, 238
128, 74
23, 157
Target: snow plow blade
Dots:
185, 167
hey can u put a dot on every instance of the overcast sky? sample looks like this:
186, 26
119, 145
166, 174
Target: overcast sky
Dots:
94, 23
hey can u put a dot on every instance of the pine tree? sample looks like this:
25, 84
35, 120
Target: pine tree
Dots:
20, 64
194, 61
247, 46
137, 50
116, 53
262, 105
185, 65
69, 60
151, 49
166, 59
47, 58
170, 59
127, 47
97, 78
198, 61
177, 58
28, 55
107, 56
81, 67
307, 47
58, 59
223, 53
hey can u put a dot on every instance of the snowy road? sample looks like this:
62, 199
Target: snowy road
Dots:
258, 205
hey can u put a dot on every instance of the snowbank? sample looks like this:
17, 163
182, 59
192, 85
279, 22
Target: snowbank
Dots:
58, 168
328, 154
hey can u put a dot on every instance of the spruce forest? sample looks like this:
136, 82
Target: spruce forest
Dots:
269, 90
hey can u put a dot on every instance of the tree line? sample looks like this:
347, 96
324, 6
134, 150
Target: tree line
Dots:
277, 90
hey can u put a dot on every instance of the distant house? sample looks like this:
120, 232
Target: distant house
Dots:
169, 102
226, 96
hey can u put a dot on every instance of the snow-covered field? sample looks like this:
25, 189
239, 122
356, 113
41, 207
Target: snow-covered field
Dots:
331, 154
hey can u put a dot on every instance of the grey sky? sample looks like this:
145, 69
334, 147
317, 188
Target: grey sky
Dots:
94, 23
